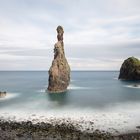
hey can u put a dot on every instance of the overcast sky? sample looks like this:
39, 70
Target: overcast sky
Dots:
99, 34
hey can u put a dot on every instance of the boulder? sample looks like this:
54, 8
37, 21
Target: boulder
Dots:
59, 72
2, 94
130, 69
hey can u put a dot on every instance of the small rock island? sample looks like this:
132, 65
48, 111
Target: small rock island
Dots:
130, 69
59, 72
2, 94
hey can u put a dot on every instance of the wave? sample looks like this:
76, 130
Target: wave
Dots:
73, 87
88, 119
78, 87
133, 86
9, 96
41, 91
72, 80
115, 78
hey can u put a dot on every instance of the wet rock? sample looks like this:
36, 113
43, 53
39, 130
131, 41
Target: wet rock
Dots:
59, 72
130, 69
138, 127
28, 130
2, 94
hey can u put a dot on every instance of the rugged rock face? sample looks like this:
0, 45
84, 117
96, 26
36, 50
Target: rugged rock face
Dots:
59, 73
130, 69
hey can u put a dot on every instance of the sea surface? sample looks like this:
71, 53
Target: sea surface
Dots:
91, 95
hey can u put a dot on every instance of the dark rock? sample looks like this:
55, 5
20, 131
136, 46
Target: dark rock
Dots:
2, 94
44, 131
130, 69
59, 73
138, 127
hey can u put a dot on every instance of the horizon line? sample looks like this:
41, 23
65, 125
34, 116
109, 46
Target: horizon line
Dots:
48, 70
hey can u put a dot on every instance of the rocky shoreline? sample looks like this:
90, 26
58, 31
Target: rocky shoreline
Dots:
27, 130
23, 130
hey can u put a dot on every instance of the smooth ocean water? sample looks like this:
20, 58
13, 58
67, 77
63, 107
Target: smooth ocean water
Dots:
87, 89
89, 92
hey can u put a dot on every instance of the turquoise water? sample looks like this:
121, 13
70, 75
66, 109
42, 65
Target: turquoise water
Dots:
96, 96
95, 90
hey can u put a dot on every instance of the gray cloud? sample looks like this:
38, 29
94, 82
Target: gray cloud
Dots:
98, 34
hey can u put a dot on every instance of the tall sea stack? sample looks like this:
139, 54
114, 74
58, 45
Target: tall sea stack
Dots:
59, 72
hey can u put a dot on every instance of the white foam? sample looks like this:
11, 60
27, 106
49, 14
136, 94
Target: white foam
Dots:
9, 96
71, 86
72, 80
41, 91
115, 78
115, 118
133, 86
77, 87
107, 121
121, 117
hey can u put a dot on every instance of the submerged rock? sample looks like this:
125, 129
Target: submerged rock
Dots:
130, 69
59, 73
2, 94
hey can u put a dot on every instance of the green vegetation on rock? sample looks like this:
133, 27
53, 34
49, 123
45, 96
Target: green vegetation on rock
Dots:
130, 69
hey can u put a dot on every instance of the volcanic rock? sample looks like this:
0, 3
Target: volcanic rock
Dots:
2, 94
59, 72
130, 69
